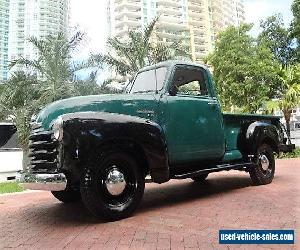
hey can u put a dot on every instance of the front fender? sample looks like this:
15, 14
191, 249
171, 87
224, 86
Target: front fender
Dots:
261, 132
86, 133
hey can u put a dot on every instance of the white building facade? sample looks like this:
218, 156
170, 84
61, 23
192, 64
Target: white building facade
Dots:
38, 18
4, 25
199, 20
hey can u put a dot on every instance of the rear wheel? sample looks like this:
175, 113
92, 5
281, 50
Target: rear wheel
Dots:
67, 196
263, 172
200, 178
112, 187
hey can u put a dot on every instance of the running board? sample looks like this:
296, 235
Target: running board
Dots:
211, 170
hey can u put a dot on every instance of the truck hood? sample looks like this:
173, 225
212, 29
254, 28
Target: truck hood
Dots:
128, 104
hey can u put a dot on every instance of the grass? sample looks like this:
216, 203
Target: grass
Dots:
294, 154
10, 187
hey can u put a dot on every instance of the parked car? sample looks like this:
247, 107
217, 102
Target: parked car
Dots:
169, 126
10, 152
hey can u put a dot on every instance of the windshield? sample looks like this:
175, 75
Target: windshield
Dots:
146, 81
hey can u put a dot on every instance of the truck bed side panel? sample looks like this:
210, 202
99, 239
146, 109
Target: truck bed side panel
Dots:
235, 127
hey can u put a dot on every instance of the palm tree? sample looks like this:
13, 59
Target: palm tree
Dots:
141, 48
53, 66
40, 81
290, 98
18, 101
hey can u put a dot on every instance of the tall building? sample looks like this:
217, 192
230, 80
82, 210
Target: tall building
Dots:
4, 24
208, 17
199, 20
125, 15
38, 18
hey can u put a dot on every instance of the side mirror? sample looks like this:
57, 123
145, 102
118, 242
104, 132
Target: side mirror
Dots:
173, 90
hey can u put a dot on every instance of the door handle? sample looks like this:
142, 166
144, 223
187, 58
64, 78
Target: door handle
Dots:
149, 113
212, 103
145, 111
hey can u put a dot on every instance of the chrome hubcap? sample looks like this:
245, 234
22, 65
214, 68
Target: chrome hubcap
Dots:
115, 182
264, 161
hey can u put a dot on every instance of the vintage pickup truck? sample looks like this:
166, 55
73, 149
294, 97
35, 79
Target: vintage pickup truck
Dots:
169, 125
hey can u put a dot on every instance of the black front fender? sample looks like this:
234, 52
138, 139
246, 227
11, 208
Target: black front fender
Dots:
86, 133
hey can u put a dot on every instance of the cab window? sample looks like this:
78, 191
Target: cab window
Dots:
189, 81
149, 81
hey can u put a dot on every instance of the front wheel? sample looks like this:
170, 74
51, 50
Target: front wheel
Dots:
113, 186
263, 172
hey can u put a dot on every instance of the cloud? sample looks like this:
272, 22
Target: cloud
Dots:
90, 16
256, 10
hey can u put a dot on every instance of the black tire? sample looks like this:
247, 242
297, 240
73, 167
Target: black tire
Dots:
263, 172
200, 178
67, 196
95, 191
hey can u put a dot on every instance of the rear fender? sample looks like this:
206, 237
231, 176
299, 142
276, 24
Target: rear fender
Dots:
261, 132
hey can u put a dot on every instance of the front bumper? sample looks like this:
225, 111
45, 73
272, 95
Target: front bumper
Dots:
49, 182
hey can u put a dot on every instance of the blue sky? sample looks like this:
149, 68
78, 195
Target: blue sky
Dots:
90, 16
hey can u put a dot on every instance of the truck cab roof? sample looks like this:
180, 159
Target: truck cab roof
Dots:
171, 64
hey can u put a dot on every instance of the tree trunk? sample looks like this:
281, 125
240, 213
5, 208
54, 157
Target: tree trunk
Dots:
287, 117
25, 159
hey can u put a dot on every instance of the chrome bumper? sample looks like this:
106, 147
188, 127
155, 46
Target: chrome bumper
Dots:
49, 182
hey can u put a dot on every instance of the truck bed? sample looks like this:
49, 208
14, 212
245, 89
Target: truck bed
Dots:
233, 127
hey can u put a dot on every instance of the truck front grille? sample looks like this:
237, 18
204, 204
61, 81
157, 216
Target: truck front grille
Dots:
43, 151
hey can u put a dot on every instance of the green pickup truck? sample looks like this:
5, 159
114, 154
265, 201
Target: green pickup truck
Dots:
168, 125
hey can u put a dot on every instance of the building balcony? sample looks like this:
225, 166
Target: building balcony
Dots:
200, 47
195, 6
131, 22
169, 3
199, 40
197, 13
130, 4
169, 10
176, 19
126, 12
171, 35
196, 22
166, 25
121, 32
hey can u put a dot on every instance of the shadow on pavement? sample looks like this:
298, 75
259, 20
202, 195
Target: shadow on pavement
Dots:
181, 192
156, 196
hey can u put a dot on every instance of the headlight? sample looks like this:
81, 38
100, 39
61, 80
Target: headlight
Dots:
57, 128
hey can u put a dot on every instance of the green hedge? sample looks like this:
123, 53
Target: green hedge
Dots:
294, 154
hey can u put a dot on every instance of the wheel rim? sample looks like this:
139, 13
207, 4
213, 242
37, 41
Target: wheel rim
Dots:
115, 182
264, 162
117, 185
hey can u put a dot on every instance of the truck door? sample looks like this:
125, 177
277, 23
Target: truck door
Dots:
194, 129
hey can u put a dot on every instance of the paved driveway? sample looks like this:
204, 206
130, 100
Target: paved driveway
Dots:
177, 215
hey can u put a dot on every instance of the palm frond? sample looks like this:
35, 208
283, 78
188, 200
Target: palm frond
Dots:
34, 64
77, 39
147, 33
121, 66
